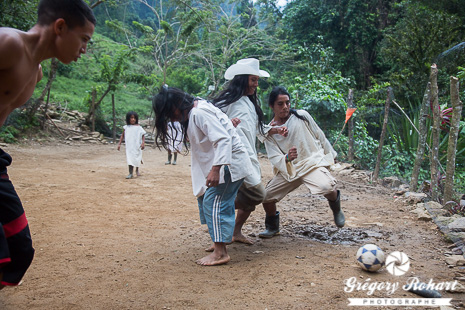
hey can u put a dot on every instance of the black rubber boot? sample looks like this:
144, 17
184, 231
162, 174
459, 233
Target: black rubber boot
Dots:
335, 206
175, 158
271, 225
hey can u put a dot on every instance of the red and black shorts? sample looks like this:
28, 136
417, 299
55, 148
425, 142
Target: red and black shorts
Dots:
16, 251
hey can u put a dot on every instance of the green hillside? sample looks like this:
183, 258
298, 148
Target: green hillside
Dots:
73, 84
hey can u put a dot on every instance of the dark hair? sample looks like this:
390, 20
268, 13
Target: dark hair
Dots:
234, 91
164, 105
280, 90
128, 117
74, 12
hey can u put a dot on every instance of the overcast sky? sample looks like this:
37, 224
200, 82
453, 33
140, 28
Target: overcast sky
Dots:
281, 2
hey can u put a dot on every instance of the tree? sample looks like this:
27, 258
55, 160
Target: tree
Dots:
353, 28
322, 90
113, 71
168, 35
226, 37
19, 14
204, 37
246, 10
35, 104
410, 46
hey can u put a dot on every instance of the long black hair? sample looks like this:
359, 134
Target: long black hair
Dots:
164, 105
234, 91
128, 117
280, 90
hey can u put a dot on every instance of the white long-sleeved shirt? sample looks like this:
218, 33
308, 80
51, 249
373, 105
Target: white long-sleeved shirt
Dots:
313, 149
214, 141
247, 130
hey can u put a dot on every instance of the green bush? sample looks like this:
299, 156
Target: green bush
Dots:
365, 147
16, 124
8, 134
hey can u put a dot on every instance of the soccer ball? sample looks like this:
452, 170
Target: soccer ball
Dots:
370, 257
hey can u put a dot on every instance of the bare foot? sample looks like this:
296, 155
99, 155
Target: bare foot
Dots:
242, 239
212, 247
213, 260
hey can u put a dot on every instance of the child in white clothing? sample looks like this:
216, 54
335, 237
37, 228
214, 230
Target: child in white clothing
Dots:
134, 138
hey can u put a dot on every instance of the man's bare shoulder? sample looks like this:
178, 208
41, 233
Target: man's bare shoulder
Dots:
12, 47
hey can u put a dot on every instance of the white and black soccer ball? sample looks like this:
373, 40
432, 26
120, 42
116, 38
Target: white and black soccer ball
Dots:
370, 257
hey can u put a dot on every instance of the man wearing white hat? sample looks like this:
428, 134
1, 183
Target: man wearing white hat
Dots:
240, 102
247, 66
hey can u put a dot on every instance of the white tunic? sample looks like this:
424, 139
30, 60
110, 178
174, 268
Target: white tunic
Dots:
133, 140
244, 110
175, 137
214, 141
313, 149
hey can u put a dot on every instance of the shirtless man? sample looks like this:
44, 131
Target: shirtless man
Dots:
63, 29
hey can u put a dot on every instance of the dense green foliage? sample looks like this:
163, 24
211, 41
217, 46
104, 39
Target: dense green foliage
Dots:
352, 28
317, 49
19, 14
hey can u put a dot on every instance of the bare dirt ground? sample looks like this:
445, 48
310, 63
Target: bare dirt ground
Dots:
104, 242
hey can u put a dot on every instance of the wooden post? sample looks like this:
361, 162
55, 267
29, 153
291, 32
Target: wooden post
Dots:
383, 133
453, 136
94, 95
114, 116
422, 135
435, 134
350, 104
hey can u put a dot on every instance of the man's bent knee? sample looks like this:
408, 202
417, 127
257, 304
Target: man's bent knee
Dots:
328, 189
248, 198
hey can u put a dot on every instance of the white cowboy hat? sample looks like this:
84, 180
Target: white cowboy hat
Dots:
245, 66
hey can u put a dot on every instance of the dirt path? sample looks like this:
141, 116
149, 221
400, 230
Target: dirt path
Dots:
104, 242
